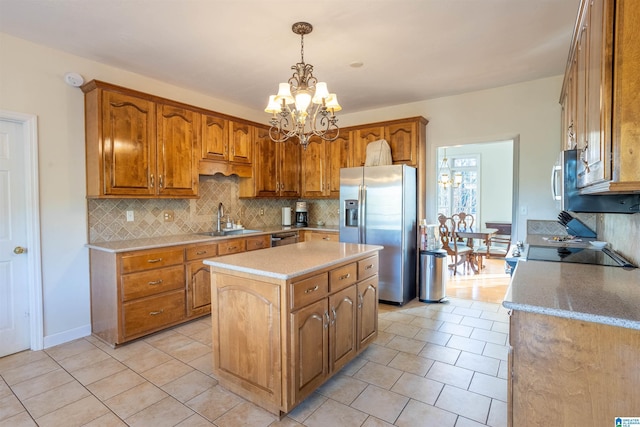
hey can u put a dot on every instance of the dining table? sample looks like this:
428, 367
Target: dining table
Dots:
483, 233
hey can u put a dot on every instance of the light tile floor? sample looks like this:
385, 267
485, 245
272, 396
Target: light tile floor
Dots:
432, 365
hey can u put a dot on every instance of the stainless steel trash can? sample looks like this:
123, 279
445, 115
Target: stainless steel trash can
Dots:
432, 272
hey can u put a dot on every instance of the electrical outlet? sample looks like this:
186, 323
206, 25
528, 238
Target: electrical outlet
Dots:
168, 216
261, 211
129, 216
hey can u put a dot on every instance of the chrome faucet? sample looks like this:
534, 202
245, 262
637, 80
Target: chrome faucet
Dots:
220, 215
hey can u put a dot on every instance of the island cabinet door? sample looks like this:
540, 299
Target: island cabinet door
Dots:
367, 311
342, 331
310, 343
246, 329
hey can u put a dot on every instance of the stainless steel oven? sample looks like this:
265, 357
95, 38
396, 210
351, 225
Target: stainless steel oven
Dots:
284, 238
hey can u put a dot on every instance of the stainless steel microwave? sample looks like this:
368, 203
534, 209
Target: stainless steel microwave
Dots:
565, 190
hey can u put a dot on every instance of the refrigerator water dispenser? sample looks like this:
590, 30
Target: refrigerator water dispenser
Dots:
351, 213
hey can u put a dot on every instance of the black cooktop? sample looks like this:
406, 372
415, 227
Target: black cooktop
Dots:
577, 255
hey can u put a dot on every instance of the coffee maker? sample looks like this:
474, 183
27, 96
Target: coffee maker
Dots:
301, 214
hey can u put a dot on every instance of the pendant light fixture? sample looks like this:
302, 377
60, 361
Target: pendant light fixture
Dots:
303, 106
445, 177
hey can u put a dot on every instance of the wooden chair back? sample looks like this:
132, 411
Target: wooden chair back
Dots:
463, 221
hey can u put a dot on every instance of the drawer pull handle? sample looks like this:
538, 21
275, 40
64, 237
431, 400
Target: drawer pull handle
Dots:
152, 261
308, 291
345, 276
155, 282
369, 267
155, 313
326, 238
231, 248
201, 252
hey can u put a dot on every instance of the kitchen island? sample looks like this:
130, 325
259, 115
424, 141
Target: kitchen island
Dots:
285, 321
574, 336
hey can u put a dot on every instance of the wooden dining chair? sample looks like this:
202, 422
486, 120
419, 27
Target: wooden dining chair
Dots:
498, 244
463, 221
459, 252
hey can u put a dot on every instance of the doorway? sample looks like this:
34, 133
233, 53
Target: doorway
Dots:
482, 181
21, 313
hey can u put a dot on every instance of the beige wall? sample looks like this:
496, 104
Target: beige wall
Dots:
31, 81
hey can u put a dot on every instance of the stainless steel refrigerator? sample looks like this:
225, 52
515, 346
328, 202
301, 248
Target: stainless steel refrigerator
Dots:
378, 206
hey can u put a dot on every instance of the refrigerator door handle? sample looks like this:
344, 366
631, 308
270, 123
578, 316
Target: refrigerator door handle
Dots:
362, 226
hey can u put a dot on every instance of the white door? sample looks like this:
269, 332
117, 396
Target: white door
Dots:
15, 279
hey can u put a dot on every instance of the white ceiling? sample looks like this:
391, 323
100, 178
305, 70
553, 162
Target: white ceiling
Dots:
239, 50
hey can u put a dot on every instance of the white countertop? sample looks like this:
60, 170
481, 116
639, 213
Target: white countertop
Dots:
184, 239
592, 293
286, 262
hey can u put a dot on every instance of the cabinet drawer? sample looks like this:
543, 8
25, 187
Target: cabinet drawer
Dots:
367, 267
309, 290
146, 283
202, 251
327, 237
231, 247
342, 277
147, 314
152, 259
258, 242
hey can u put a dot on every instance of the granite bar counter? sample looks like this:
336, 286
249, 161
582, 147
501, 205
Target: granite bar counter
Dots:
607, 295
288, 262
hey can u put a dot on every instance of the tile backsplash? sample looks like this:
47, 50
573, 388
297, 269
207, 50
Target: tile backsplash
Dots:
107, 217
622, 231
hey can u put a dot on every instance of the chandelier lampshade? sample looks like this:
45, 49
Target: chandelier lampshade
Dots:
303, 107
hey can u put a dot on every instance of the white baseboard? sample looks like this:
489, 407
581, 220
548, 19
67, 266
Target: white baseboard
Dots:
66, 336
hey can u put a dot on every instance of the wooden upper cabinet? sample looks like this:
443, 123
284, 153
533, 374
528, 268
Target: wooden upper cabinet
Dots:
177, 147
240, 142
289, 168
226, 146
600, 94
626, 89
361, 138
215, 138
338, 152
127, 144
138, 147
321, 163
276, 168
265, 165
314, 171
402, 139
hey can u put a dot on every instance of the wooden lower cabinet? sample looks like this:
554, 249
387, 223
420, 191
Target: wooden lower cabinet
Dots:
567, 372
329, 236
139, 292
314, 325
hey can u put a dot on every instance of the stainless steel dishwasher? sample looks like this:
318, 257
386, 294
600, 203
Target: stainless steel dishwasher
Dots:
284, 238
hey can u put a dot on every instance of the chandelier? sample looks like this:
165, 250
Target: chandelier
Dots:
444, 174
303, 106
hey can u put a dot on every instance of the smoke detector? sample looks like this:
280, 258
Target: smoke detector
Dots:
73, 79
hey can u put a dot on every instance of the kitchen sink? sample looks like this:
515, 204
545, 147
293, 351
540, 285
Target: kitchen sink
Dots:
229, 232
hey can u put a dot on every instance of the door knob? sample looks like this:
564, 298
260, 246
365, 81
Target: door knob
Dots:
19, 250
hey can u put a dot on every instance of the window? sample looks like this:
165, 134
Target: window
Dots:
466, 196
